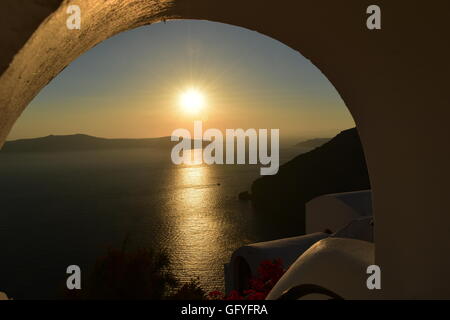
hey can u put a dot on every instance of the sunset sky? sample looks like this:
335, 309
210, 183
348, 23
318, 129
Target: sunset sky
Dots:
131, 86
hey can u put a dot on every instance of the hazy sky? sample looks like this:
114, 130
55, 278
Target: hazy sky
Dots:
129, 86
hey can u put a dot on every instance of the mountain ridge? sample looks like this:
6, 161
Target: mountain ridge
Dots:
79, 141
312, 143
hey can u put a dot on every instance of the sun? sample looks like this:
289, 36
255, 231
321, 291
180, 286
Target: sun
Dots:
192, 100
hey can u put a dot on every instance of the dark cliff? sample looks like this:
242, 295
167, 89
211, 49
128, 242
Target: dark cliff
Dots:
336, 166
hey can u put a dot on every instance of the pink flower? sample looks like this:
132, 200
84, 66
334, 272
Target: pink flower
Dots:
234, 295
215, 295
269, 272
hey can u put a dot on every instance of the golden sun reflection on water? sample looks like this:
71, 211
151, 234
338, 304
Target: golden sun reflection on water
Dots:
198, 227
193, 157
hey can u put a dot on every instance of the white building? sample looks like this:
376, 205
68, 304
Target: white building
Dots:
334, 211
339, 235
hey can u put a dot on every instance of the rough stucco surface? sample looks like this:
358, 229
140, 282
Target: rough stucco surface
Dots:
394, 82
15, 31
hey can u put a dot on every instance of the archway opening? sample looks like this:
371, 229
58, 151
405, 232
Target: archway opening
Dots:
250, 82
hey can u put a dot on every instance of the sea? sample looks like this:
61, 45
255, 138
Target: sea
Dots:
69, 208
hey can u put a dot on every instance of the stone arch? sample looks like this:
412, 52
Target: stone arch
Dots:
390, 80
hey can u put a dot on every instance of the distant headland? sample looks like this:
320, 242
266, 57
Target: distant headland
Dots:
81, 142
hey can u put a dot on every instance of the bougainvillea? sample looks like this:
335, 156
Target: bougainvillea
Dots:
268, 274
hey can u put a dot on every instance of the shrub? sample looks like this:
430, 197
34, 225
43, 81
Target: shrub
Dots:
141, 274
189, 291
